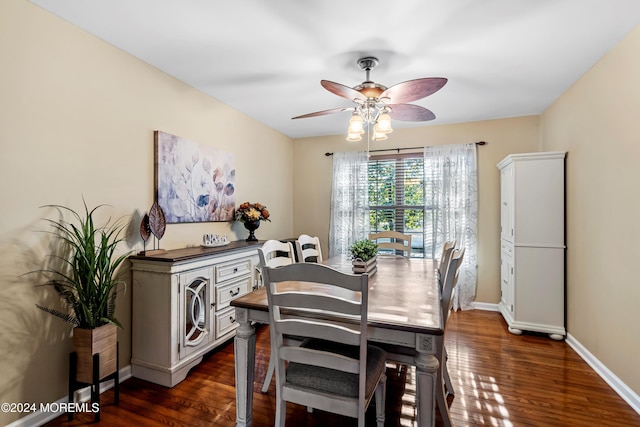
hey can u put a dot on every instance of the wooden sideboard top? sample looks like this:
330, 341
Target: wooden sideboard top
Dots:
184, 254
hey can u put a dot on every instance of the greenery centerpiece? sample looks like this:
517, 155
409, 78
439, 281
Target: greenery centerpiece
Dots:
363, 256
250, 214
84, 272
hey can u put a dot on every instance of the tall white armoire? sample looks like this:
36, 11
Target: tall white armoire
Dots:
532, 236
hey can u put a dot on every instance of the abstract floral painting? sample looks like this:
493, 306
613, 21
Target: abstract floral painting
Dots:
194, 182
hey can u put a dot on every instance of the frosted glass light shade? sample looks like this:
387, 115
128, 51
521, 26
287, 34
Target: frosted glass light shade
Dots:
383, 124
354, 137
356, 125
379, 136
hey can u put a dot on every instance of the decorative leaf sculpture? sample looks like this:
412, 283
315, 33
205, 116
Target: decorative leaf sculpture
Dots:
157, 220
145, 228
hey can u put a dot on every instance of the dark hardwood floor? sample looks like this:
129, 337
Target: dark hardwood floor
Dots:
500, 380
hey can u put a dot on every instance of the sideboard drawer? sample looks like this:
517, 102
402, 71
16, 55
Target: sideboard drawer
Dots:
234, 289
232, 269
225, 321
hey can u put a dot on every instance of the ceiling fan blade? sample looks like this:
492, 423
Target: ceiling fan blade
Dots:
324, 112
410, 113
412, 90
342, 90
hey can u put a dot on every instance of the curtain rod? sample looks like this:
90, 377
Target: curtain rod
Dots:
406, 148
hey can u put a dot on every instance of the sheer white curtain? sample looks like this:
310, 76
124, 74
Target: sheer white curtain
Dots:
349, 201
451, 196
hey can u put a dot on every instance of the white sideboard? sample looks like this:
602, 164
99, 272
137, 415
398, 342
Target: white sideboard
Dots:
532, 221
181, 306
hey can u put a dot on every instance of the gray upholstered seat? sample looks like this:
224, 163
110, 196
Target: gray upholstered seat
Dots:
333, 381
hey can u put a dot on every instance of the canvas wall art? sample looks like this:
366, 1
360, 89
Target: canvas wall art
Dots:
194, 182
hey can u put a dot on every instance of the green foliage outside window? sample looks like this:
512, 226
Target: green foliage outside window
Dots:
396, 196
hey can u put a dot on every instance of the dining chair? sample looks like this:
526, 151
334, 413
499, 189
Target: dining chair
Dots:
443, 264
392, 242
446, 302
275, 253
334, 369
445, 256
308, 248
406, 356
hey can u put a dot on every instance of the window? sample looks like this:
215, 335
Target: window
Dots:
434, 197
396, 198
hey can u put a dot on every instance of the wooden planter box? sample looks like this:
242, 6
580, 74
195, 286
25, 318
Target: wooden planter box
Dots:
370, 266
87, 342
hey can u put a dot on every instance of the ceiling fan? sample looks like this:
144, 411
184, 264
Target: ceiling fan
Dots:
376, 105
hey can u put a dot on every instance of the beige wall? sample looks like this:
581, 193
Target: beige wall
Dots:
77, 118
313, 171
596, 122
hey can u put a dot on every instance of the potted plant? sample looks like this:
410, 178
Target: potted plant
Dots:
84, 272
363, 256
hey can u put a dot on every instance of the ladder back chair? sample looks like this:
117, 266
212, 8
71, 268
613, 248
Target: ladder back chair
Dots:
334, 369
275, 253
444, 385
445, 256
406, 356
394, 241
308, 248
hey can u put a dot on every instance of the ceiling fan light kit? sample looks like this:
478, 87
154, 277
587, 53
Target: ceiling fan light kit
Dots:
383, 123
376, 105
354, 137
356, 124
379, 136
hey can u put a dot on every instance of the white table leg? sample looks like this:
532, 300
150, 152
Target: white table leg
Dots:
245, 356
426, 378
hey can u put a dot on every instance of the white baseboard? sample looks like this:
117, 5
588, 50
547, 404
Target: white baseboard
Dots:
609, 377
629, 396
485, 306
39, 418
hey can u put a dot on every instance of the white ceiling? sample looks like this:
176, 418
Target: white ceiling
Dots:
503, 58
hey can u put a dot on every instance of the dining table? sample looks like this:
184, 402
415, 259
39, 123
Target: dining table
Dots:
404, 311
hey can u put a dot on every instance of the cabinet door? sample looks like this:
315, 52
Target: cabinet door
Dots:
195, 310
506, 283
507, 203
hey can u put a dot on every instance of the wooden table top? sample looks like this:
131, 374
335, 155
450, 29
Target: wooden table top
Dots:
403, 294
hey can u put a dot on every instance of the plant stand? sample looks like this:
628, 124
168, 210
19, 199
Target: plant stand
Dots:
369, 267
95, 384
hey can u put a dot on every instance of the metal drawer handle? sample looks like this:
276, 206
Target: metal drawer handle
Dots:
235, 270
233, 294
232, 319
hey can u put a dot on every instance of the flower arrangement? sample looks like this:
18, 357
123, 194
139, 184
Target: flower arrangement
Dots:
248, 212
